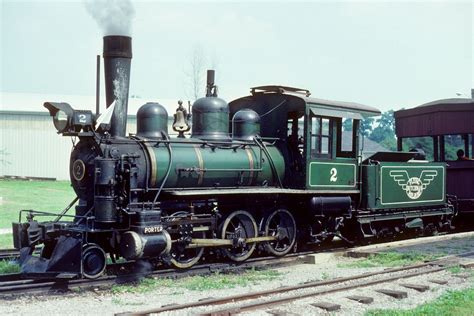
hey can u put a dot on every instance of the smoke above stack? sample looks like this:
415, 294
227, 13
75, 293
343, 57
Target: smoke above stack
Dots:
113, 16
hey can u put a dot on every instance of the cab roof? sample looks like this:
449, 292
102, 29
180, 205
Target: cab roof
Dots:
299, 98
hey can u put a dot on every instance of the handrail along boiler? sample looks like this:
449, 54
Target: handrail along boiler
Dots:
262, 173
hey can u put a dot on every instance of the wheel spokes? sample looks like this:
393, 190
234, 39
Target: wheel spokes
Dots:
280, 224
239, 226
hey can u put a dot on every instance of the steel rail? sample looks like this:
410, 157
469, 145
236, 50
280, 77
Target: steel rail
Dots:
444, 261
12, 284
292, 298
9, 253
243, 297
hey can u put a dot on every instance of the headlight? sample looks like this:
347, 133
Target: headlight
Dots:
61, 121
69, 121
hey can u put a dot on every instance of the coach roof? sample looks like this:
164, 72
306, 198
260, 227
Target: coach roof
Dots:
440, 117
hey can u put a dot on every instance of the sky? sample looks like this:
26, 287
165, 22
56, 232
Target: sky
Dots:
387, 54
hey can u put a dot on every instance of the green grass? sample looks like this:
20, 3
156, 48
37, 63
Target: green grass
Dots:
453, 303
49, 196
8, 267
6, 241
457, 270
200, 283
390, 259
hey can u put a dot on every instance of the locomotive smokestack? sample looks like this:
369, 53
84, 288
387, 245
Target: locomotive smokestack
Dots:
117, 59
211, 88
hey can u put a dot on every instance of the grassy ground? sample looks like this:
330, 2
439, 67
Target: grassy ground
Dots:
16, 195
200, 283
6, 241
7, 266
391, 259
453, 303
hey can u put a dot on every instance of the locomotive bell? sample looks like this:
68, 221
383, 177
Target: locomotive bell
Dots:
181, 123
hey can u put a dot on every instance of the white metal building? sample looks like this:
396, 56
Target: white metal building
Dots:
29, 144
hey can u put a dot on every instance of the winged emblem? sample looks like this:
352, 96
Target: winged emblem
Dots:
413, 186
427, 176
401, 177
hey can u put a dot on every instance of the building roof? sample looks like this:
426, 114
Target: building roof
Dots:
32, 103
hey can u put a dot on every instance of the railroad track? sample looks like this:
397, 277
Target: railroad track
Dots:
12, 253
251, 302
9, 253
14, 284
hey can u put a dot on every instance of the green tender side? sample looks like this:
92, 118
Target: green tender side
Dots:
404, 185
196, 166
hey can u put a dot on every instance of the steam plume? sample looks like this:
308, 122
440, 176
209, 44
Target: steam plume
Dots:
113, 16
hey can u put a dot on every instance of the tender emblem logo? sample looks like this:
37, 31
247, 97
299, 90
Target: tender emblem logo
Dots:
413, 186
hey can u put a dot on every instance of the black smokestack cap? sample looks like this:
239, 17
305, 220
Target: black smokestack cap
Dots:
117, 46
117, 59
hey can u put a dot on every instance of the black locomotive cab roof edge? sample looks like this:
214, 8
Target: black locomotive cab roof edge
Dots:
297, 99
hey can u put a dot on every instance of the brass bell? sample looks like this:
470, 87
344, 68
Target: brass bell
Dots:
180, 123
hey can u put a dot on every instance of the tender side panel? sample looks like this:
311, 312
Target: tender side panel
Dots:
404, 185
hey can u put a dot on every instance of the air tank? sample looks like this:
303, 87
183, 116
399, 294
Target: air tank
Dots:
245, 125
152, 120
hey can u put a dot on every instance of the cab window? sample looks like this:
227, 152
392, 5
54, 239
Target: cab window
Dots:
347, 129
321, 137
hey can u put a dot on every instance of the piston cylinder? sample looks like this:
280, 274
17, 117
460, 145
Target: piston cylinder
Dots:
135, 246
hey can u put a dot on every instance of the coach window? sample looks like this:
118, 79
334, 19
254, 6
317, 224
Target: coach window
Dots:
321, 136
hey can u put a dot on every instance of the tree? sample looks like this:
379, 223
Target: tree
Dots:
366, 126
195, 73
384, 133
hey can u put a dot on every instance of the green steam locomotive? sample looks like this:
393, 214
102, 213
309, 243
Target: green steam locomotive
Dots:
265, 172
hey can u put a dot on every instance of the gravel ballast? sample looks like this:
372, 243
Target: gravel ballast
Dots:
101, 302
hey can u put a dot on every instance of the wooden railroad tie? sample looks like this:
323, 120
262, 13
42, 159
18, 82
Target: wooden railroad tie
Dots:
393, 293
440, 282
330, 307
361, 299
418, 287
277, 312
222, 313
